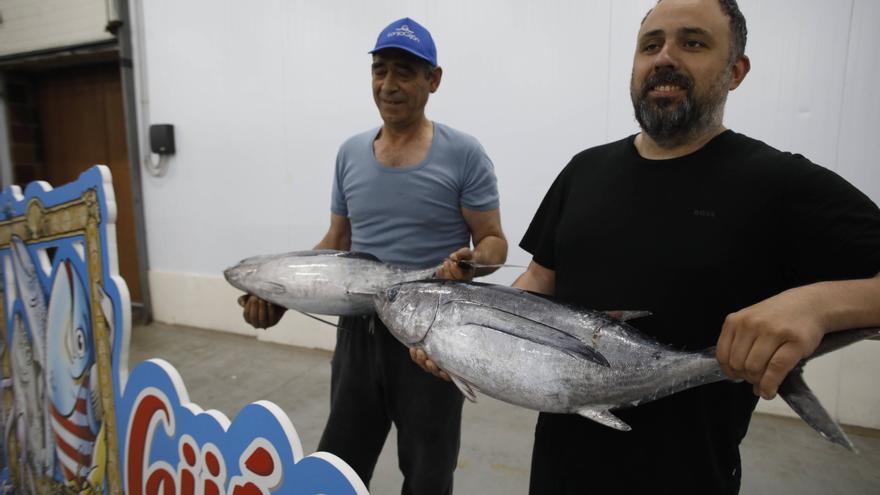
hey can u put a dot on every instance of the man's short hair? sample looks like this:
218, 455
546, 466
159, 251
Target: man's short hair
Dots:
738, 31
421, 65
424, 67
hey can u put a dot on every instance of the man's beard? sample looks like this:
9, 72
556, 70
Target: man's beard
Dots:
671, 122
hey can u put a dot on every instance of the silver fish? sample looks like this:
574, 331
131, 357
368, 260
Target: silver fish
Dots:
531, 351
327, 282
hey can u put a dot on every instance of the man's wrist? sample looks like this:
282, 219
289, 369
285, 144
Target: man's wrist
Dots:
832, 304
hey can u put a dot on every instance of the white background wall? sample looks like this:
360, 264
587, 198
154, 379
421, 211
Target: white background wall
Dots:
261, 94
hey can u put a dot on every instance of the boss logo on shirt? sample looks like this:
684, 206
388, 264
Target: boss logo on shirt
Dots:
704, 213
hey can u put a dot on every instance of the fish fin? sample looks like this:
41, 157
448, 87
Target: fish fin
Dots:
795, 392
358, 255
568, 344
466, 388
552, 336
273, 288
627, 315
604, 417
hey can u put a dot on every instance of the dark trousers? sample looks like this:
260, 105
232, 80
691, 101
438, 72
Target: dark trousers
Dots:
668, 451
374, 383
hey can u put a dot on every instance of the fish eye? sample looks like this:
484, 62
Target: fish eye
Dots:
80, 342
392, 294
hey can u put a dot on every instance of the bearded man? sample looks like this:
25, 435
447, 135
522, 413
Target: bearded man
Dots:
726, 241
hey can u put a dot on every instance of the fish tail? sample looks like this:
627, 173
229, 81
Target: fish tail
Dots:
837, 340
795, 392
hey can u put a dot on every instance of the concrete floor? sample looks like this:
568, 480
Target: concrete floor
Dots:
225, 372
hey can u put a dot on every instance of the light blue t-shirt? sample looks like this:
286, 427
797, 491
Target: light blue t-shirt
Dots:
411, 215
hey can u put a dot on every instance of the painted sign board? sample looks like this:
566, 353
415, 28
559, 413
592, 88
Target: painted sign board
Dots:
72, 418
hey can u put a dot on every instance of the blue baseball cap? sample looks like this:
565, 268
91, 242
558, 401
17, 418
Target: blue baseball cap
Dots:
408, 35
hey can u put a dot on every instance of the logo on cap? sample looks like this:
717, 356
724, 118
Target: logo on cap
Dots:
406, 32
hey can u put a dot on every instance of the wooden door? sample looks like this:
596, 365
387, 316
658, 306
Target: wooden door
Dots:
82, 123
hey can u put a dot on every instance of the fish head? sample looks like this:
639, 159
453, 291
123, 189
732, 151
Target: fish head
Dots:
408, 310
240, 275
70, 350
267, 277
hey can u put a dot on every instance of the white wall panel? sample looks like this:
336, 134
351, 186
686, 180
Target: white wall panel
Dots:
858, 149
792, 97
517, 83
30, 25
858, 399
261, 99
215, 72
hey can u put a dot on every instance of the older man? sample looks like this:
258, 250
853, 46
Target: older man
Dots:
412, 192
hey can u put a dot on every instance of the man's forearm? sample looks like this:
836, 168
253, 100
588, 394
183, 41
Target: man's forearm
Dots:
537, 279
846, 304
491, 250
338, 236
333, 243
338, 239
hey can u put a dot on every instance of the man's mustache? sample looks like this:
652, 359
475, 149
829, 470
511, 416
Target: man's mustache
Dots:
666, 77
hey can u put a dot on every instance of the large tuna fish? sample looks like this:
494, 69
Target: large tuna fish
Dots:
530, 351
326, 282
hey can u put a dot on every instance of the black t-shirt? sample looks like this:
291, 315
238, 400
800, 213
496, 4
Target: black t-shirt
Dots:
690, 239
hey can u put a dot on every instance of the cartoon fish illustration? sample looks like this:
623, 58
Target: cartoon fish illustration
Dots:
75, 421
28, 357
27, 416
31, 294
